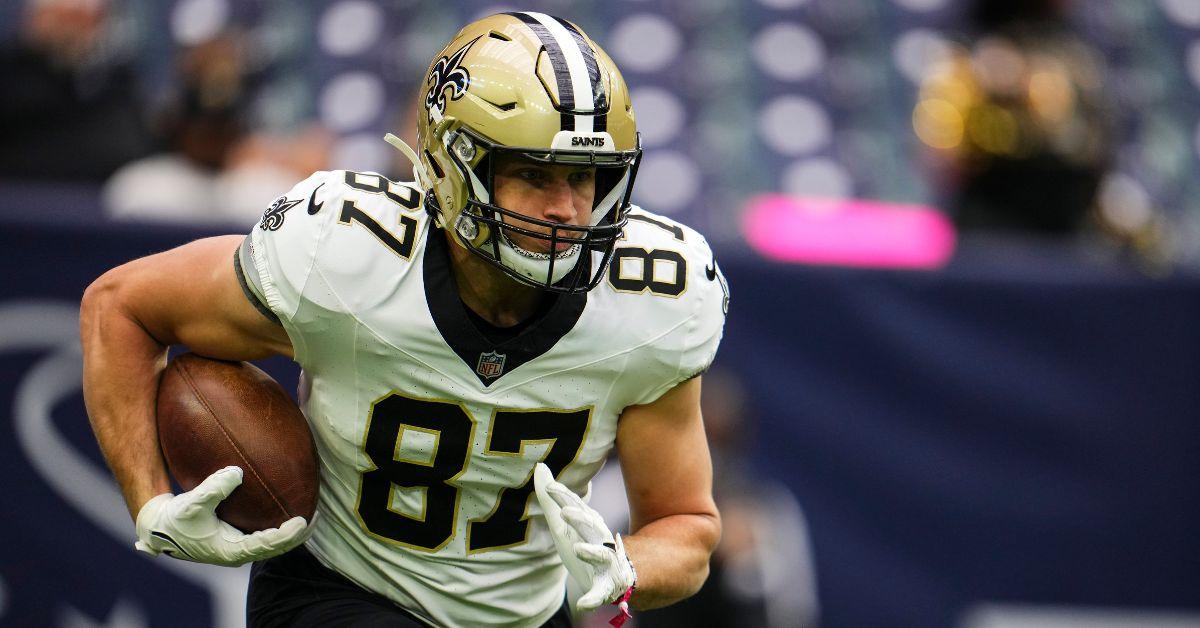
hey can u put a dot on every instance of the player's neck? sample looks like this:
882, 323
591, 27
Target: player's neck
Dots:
491, 294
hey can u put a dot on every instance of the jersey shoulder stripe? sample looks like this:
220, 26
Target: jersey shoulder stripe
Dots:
249, 280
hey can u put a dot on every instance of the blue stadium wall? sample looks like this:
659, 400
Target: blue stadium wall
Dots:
1013, 432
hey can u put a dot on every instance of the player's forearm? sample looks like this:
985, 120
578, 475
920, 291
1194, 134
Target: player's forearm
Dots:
671, 557
121, 367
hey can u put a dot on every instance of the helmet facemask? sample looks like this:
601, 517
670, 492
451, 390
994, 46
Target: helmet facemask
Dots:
487, 229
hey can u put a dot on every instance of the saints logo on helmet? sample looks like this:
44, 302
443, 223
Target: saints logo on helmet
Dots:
446, 73
534, 87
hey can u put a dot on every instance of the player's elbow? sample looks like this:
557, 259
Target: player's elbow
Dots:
700, 540
97, 302
102, 286
708, 534
683, 560
104, 301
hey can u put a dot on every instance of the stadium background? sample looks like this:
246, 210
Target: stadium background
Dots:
914, 425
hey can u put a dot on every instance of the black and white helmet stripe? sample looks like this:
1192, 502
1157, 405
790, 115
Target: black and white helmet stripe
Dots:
581, 96
598, 99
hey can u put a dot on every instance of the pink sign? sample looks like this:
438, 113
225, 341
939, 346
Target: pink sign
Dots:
848, 232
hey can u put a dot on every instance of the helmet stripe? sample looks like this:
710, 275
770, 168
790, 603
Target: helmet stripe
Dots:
576, 72
562, 74
577, 55
599, 100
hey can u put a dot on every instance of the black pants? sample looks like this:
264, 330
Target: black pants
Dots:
296, 590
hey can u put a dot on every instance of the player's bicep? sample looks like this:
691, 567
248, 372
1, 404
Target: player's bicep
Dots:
664, 457
193, 296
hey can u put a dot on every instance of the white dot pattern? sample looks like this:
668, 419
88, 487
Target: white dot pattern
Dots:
793, 125
196, 21
817, 177
350, 27
732, 98
789, 52
645, 43
667, 181
917, 51
1182, 12
660, 114
351, 101
921, 5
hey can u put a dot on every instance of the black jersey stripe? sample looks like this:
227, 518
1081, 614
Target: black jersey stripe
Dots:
249, 291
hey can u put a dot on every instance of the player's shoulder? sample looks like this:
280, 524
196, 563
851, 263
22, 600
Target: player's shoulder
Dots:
379, 210
650, 230
664, 273
351, 230
368, 191
668, 296
660, 256
371, 220
332, 196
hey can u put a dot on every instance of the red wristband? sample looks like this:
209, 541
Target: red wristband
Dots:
623, 604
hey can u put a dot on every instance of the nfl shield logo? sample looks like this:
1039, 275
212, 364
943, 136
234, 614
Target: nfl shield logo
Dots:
491, 365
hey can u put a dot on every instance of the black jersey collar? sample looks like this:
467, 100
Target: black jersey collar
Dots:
490, 362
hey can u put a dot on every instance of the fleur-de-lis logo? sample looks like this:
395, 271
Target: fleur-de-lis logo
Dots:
447, 73
273, 218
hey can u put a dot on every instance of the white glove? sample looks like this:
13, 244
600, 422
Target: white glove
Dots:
186, 527
595, 558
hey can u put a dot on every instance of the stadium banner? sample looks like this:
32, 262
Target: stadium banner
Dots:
988, 434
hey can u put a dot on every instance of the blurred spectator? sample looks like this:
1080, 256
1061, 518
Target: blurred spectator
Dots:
762, 574
70, 110
215, 170
1017, 117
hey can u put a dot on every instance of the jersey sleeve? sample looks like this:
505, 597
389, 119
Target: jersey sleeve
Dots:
279, 257
690, 349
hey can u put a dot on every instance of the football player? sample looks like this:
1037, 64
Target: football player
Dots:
474, 343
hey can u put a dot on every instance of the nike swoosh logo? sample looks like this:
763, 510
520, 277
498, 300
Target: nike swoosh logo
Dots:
313, 205
168, 552
711, 271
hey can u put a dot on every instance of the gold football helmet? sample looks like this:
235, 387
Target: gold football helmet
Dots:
536, 87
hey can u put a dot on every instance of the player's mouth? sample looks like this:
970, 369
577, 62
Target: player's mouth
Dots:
539, 248
542, 244
559, 247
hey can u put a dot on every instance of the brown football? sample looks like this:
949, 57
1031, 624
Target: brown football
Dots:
212, 414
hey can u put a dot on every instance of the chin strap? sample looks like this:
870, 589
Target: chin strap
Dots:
419, 172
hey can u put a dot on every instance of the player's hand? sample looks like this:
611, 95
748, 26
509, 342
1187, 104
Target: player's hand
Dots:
186, 526
595, 558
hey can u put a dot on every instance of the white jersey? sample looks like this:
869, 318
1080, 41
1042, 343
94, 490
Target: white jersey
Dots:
427, 431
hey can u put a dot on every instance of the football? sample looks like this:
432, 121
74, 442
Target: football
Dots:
212, 414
